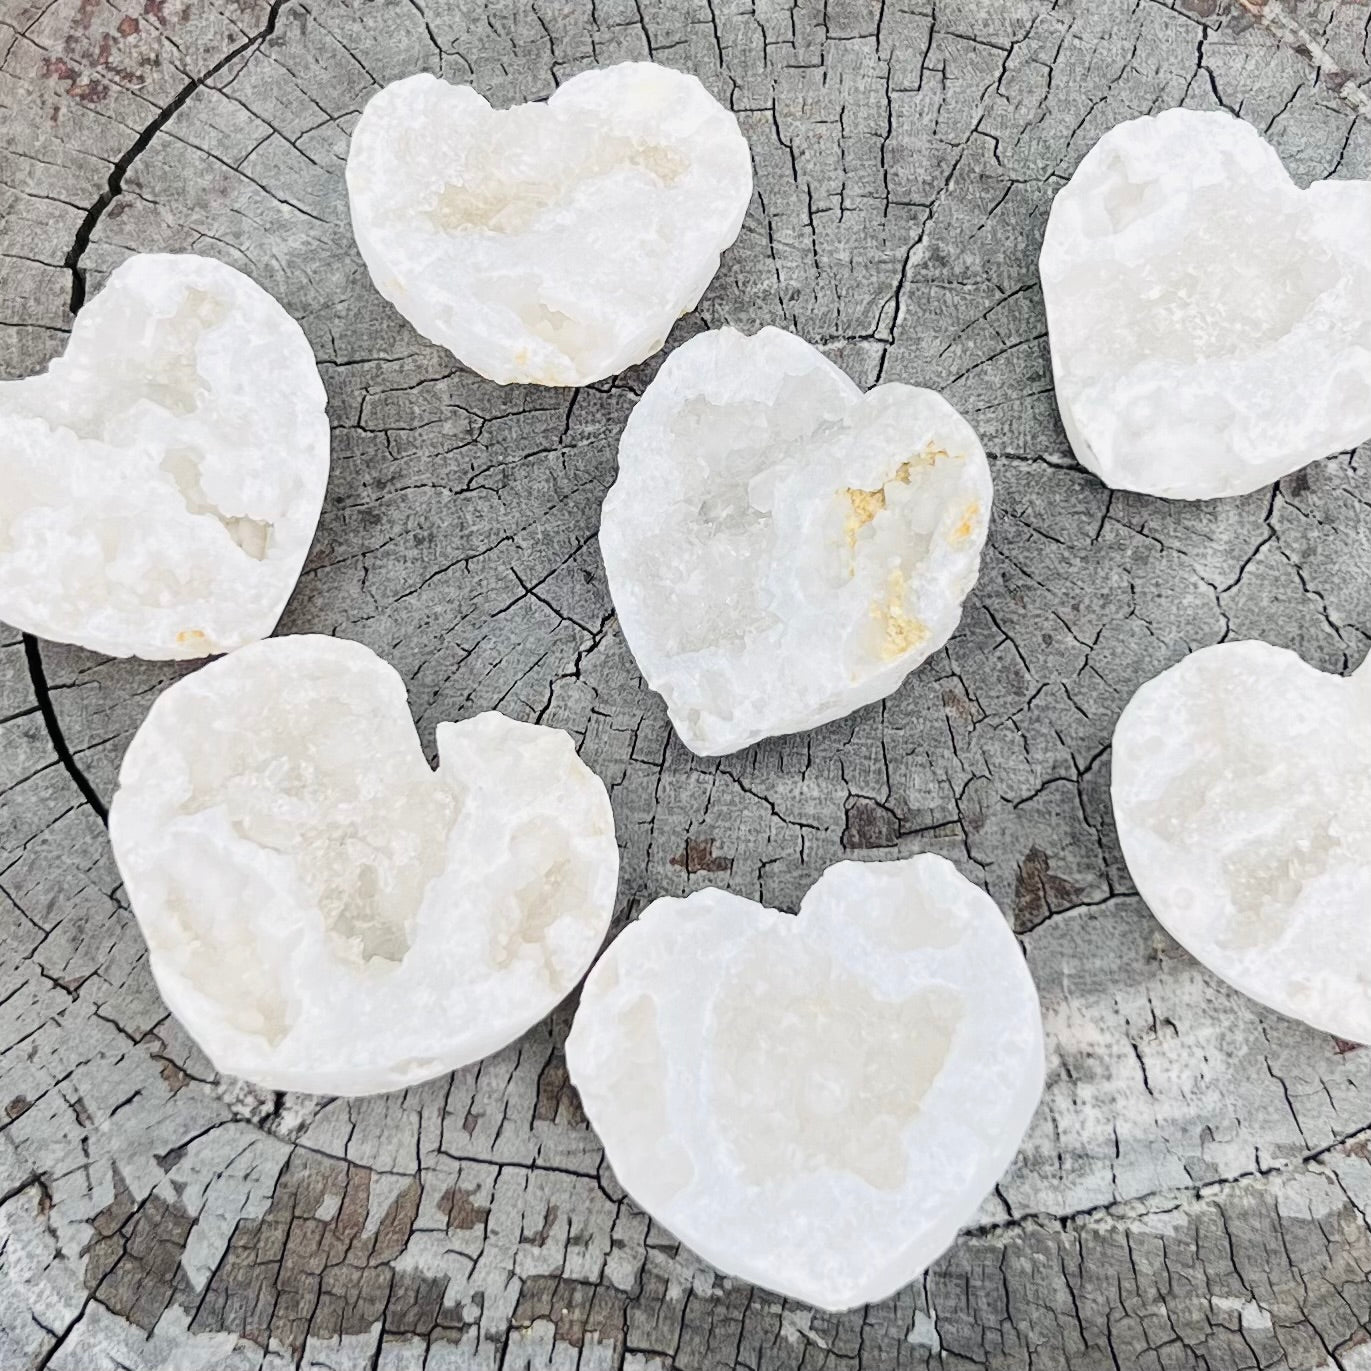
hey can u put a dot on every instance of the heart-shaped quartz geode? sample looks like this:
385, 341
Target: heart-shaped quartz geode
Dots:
780, 547
160, 483
556, 242
1242, 795
323, 910
1210, 322
814, 1103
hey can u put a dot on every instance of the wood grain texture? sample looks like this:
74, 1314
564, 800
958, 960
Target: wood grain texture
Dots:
1195, 1189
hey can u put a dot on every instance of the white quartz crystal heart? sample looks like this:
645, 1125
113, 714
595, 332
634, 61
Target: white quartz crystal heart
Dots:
816, 1104
782, 549
1242, 794
325, 912
161, 481
1210, 322
556, 242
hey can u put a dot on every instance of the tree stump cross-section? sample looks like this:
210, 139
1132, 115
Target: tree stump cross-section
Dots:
1195, 1188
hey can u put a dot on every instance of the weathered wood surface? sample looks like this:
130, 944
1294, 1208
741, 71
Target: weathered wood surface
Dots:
1194, 1192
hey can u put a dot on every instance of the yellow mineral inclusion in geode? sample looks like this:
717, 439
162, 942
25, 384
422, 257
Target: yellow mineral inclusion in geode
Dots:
867, 504
903, 632
967, 527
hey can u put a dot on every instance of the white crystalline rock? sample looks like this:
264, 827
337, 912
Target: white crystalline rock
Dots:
323, 911
161, 481
781, 548
556, 242
1210, 322
816, 1104
1242, 794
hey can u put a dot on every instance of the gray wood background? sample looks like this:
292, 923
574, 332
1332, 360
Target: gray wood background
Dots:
1194, 1191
